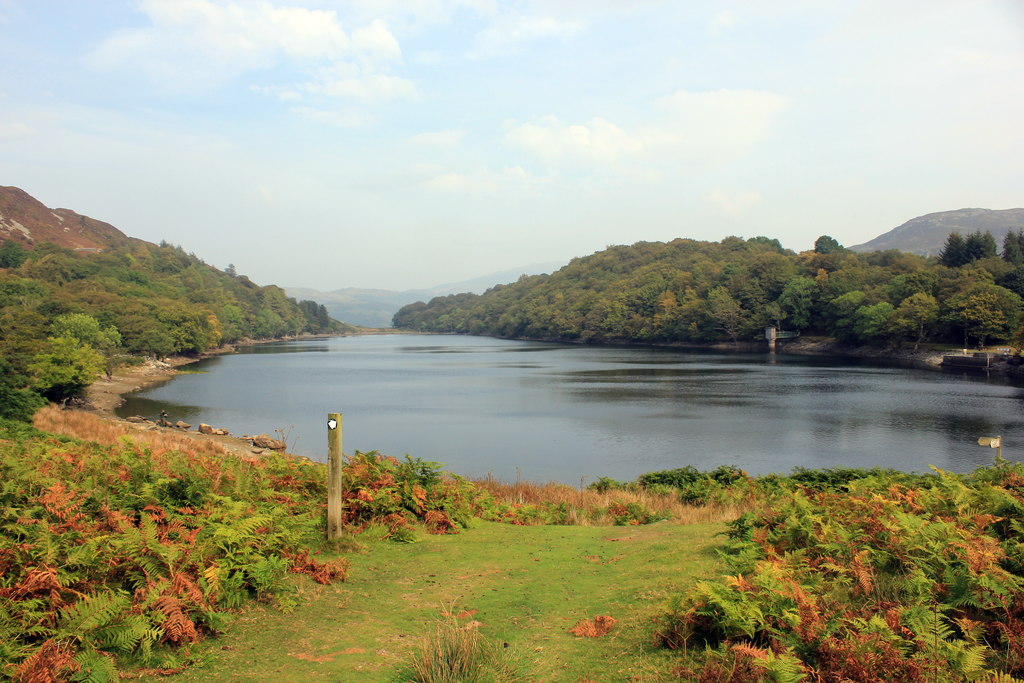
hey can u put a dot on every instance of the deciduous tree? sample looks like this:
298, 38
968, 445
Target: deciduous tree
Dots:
914, 316
984, 311
727, 313
65, 369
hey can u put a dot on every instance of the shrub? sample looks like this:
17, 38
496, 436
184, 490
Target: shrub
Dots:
380, 488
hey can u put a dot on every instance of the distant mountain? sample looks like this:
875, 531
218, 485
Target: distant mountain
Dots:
927, 234
25, 220
376, 307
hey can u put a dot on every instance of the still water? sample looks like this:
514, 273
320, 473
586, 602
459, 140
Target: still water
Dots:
568, 413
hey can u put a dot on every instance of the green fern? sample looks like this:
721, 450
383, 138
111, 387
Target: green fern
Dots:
96, 667
781, 668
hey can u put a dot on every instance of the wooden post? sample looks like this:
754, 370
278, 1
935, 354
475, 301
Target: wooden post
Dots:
334, 463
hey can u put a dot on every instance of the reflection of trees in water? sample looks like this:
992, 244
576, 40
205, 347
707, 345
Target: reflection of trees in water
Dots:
283, 347
148, 408
955, 428
718, 387
969, 426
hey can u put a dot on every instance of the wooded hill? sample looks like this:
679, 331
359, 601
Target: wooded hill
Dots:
68, 313
692, 291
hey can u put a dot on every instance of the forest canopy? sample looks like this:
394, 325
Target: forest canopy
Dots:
67, 315
695, 291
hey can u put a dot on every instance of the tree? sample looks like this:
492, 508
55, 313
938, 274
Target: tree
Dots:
797, 301
86, 330
1013, 248
12, 254
871, 323
17, 402
915, 315
954, 251
1014, 280
827, 245
985, 310
727, 313
65, 369
843, 310
979, 245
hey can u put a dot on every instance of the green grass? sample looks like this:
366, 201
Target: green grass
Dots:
527, 585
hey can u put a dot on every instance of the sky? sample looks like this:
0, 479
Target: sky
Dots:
401, 144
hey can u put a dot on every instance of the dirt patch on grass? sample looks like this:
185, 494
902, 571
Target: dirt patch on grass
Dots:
594, 628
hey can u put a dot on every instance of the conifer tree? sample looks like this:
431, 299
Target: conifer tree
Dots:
1013, 247
979, 245
954, 251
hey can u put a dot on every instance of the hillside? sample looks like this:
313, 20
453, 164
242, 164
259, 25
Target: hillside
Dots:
377, 307
26, 221
69, 311
925, 235
687, 291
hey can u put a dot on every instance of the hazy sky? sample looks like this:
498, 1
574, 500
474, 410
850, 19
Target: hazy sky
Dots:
406, 143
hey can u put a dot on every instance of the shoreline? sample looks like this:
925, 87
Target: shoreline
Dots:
104, 396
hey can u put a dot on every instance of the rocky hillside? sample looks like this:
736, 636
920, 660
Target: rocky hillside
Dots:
926, 234
25, 220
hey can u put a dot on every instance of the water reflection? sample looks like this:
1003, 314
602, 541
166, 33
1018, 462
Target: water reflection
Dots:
575, 411
284, 347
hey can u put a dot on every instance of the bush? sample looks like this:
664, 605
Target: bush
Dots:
380, 488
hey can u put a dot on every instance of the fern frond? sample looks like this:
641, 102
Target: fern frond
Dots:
95, 667
91, 612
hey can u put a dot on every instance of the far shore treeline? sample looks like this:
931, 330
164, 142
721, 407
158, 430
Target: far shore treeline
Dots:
692, 291
66, 315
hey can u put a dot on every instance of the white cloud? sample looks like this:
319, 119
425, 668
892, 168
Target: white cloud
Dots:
480, 181
438, 138
419, 15
722, 22
597, 141
342, 119
508, 31
733, 203
265, 194
694, 128
12, 130
199, 44
723, 120
458, 182
227, 38
377, 40
355, 82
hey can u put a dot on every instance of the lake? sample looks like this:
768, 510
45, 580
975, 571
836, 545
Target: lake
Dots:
569, 413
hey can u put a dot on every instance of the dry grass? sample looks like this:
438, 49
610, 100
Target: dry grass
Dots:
458, 653
582, 502
586, 505
89, 427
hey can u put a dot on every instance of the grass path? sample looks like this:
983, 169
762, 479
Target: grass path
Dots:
527, 585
